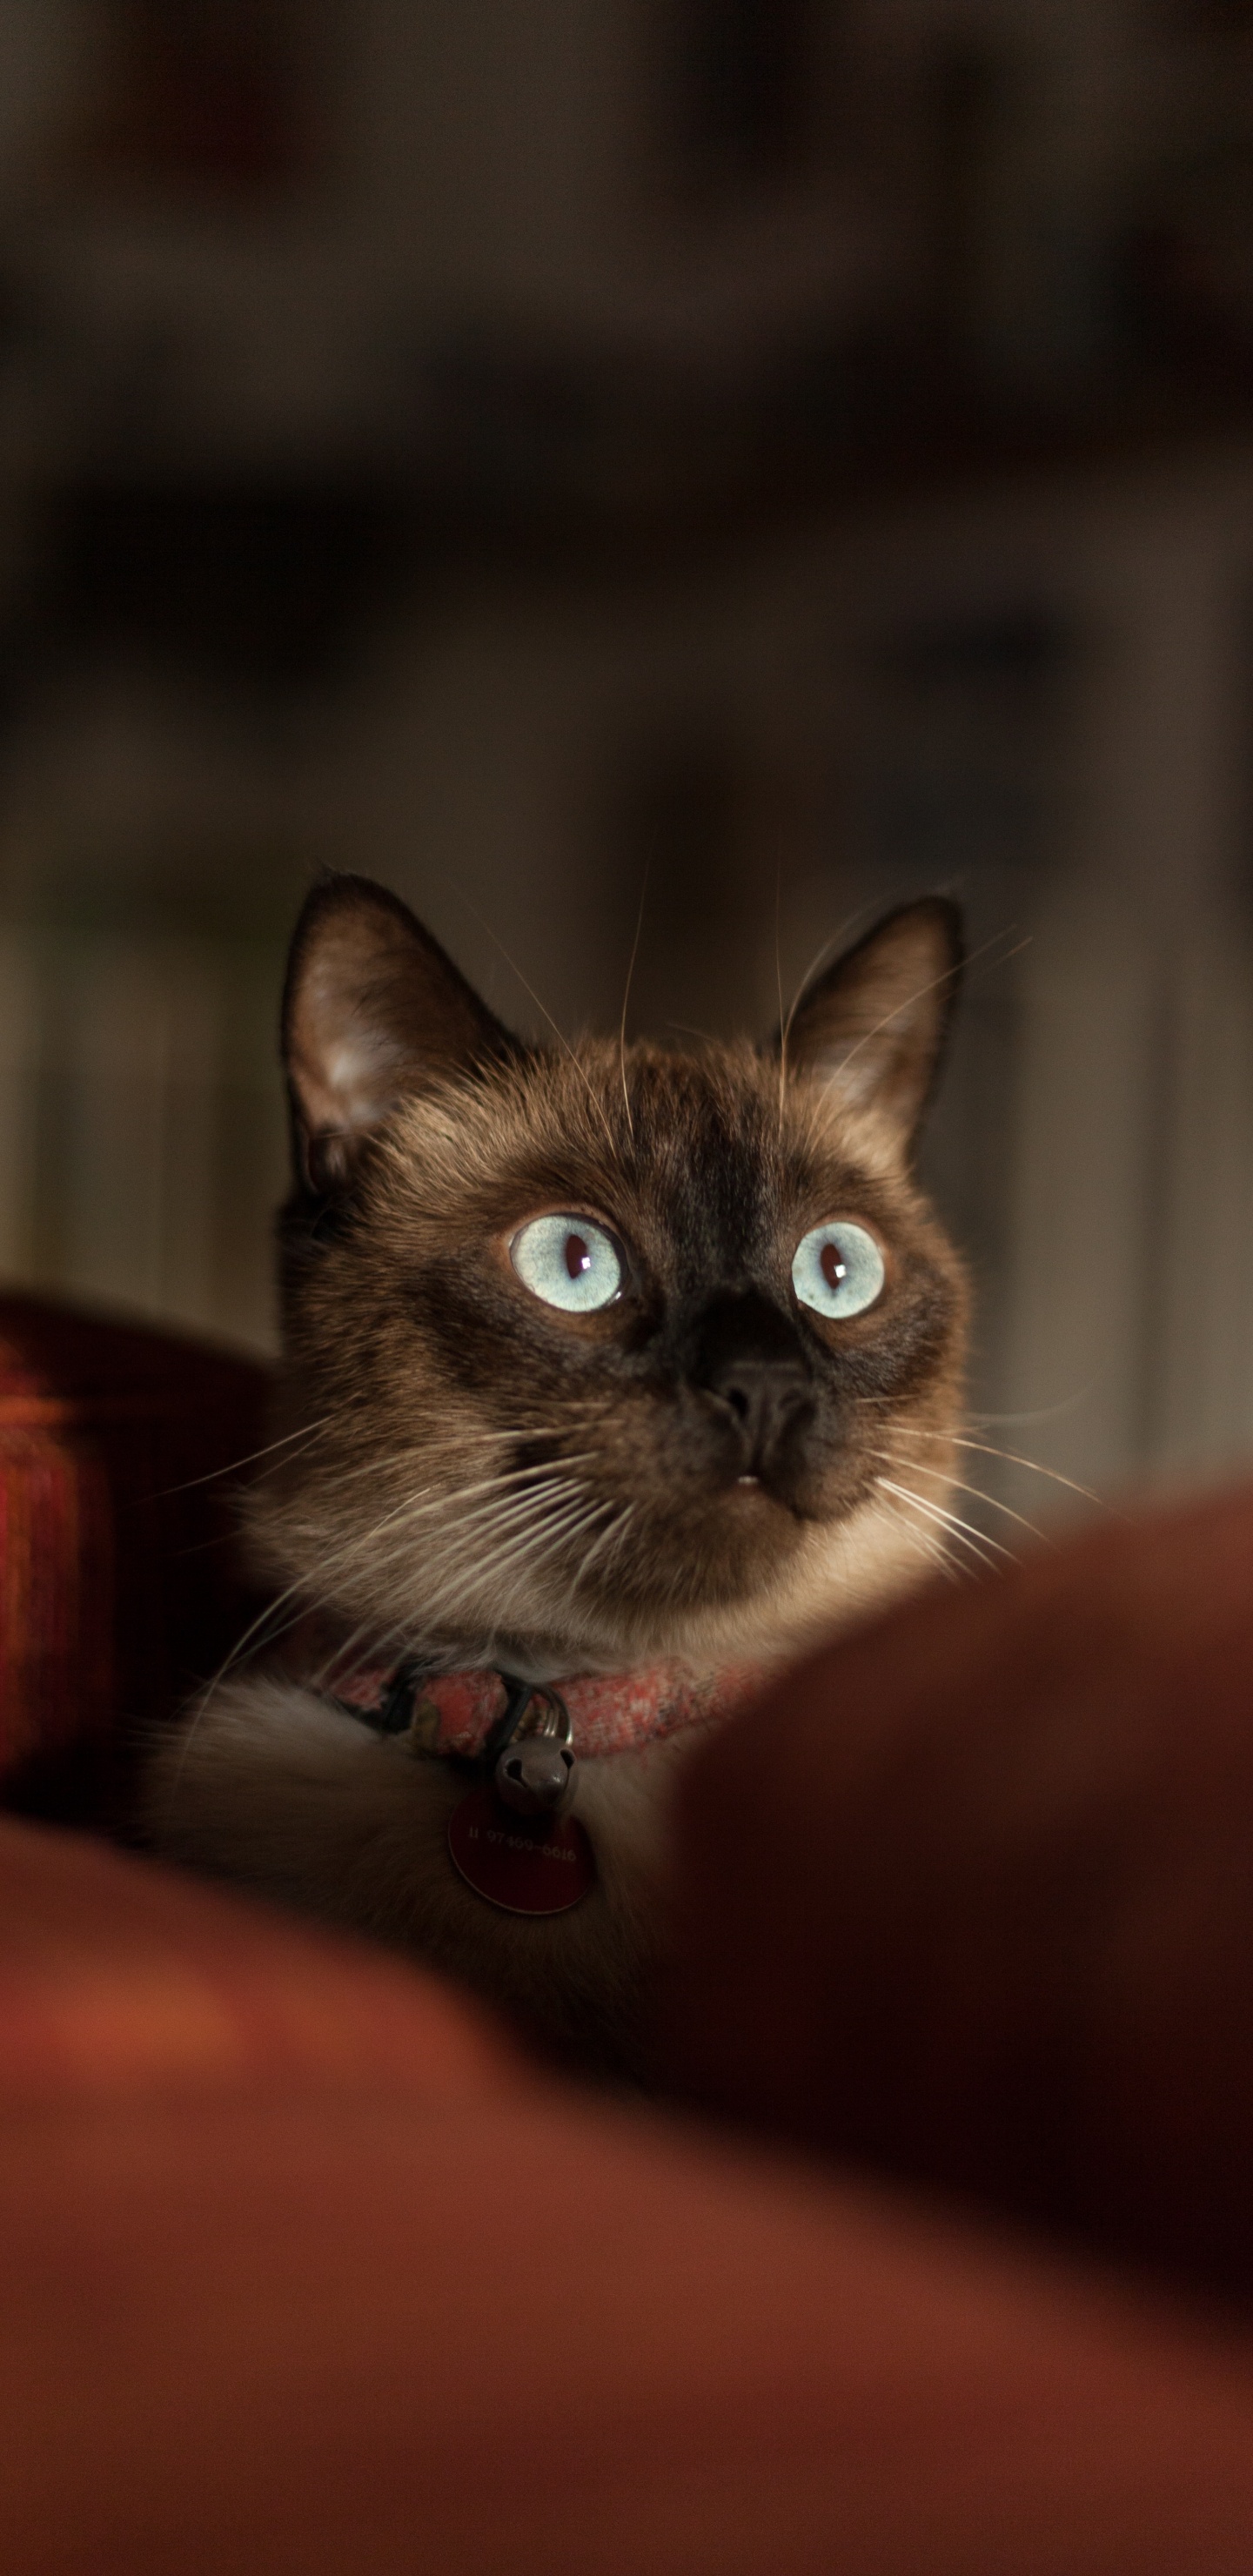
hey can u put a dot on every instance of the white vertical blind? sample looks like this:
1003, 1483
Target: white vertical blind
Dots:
141, 1137
19, 1081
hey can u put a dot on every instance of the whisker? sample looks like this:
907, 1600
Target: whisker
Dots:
555, 1529
931, 986
1012, 1458
341, 1560
635, 945
948, 976
224, 1671
559, 1034
978, 1544
502, 1513
541, 1467
953, 1484
988, 1449
778, 981
969, 1534
616, 1531
532, 1546
307, 1433
481, 1528
1039, 1412
816, 963
269, 1626
925, 1547
430, 1500
343, 1662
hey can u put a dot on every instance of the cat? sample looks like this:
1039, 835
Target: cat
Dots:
598, 1360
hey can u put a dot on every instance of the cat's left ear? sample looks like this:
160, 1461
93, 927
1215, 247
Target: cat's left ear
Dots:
871, 1031
373, 1011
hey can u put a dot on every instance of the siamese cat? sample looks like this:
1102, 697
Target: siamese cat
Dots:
601, 1365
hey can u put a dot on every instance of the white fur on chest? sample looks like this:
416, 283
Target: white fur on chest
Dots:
276, 1788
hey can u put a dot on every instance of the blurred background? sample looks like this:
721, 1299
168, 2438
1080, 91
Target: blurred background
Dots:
764, 457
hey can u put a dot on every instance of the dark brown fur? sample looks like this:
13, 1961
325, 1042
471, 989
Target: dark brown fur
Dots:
478, 1478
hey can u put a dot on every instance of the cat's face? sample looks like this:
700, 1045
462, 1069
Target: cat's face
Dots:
601, 1354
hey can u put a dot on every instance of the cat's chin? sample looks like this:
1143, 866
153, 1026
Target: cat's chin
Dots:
837, 1571
759, 1580
755, 1496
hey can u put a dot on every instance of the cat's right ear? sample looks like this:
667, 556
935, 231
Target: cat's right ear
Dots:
871, 1031
373, 1011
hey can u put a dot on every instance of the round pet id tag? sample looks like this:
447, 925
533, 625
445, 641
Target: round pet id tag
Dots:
524, 1864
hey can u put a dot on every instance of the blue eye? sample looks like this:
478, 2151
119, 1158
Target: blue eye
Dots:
569, 1262
838, 1269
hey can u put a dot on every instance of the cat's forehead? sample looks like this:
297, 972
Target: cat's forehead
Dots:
711, 1121
702, 1147
728, 1151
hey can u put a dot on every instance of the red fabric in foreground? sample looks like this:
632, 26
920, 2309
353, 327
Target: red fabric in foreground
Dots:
971, 1895
305, 2275
118, 1584
119, 1979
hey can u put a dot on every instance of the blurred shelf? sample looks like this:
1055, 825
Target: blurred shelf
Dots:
276, 575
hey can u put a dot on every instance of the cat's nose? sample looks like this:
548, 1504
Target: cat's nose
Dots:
768, 1399
749, 1356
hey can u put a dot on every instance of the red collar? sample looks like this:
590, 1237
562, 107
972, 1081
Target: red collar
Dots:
459, 1713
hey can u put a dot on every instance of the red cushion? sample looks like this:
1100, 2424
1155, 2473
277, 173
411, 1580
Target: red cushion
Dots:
118, 1583
122, 1979
971, 1895
304, 2275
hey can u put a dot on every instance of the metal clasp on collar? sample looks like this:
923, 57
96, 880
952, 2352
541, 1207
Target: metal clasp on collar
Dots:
534, 1771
